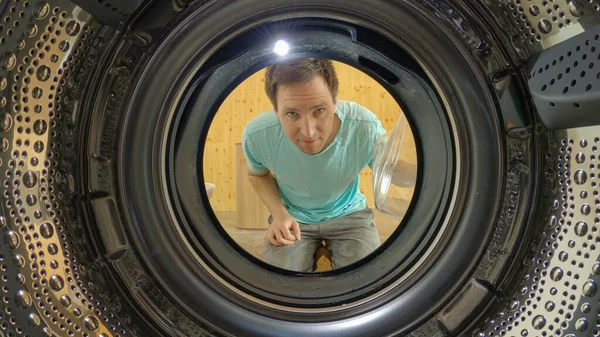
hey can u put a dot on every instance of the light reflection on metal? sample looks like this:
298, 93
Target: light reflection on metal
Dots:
281, 48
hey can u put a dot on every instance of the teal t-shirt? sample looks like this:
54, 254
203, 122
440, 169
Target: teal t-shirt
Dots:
323, 186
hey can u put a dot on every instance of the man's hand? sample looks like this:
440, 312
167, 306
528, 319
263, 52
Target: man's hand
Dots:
279, 233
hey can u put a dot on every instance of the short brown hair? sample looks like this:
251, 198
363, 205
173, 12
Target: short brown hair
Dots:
299, 71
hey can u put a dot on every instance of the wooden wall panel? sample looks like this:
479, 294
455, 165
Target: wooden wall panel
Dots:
249, 100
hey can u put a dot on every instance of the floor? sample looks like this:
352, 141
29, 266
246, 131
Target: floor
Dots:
252, 239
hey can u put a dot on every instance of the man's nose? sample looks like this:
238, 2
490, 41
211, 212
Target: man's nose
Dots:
308, 128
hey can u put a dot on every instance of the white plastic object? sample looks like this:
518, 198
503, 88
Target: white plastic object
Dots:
210, 189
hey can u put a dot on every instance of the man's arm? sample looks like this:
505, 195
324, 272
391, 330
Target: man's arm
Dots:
266, 188
279, 231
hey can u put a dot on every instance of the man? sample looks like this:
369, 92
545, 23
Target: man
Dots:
304, 160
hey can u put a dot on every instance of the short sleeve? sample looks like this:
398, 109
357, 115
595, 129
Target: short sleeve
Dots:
376, 134
255, 164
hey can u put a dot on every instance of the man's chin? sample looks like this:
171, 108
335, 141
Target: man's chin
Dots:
309, 150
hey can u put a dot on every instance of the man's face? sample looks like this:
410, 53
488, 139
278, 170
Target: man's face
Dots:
307, 113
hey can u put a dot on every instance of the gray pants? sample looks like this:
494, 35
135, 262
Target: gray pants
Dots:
349, 239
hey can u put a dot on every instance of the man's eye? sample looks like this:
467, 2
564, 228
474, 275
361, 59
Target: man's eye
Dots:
291, 113
320, 110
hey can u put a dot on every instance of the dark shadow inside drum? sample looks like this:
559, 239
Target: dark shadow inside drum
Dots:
369, 52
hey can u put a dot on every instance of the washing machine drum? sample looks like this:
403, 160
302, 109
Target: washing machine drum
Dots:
107, 225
